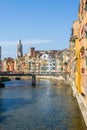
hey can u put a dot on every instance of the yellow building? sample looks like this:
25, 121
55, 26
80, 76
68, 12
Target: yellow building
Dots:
78, 50
75, 56
78, 58
82, 14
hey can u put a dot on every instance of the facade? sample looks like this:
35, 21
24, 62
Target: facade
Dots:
0, 59
8, 65
66, 64
75, 56
32, 52
78, 51
19, 49
82, 13
59, 64
78, 58
45, 63
4, 66
39, 62
44, 60
65, 57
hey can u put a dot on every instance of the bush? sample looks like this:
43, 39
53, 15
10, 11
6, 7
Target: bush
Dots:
4, 79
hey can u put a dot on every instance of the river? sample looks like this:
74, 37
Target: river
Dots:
49, 105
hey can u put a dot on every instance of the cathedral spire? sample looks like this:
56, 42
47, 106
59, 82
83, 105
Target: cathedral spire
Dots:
19, 49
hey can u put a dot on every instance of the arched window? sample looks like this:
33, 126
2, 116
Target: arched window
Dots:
86, 5
82, 51
86, 29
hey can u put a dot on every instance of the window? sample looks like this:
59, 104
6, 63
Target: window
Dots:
83, 70
86, 6
82, 51
86, 29
86, 61
86, 34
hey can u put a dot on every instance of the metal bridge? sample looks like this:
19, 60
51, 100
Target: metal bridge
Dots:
17, 75
14, 74
33, 75
30, 74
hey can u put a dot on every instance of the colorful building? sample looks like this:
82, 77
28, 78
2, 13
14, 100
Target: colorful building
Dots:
78, 58
82, 14
8, 65
75, 56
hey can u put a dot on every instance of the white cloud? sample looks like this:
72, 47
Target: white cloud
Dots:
7, 43
9, 48
31, 41
8, 53
36, 41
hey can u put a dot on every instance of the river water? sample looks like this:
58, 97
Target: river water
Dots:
49, 105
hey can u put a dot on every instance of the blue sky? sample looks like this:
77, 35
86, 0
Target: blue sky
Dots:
46, 24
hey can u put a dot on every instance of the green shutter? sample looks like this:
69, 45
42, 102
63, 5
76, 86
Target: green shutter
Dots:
86, 7
86, 61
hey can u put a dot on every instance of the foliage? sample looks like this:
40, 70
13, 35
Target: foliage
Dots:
4, 79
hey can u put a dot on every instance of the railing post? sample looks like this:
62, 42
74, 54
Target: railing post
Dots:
33, 80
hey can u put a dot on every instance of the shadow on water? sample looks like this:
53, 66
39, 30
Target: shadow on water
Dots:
17, 83
2, 118
12, 104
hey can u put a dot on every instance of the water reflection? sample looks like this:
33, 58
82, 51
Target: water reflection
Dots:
47, 106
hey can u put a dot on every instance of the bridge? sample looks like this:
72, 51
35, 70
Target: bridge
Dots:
17, 75
33, 75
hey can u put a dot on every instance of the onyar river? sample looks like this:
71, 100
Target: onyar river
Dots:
49, 105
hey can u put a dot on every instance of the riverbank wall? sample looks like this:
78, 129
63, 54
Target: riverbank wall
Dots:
51, 77
81, 99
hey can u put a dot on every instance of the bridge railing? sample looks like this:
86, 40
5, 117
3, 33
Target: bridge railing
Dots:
30, 74
20, 74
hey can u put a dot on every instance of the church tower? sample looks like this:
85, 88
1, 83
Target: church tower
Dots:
19, 49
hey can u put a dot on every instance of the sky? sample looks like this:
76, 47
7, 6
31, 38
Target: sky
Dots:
43, 24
